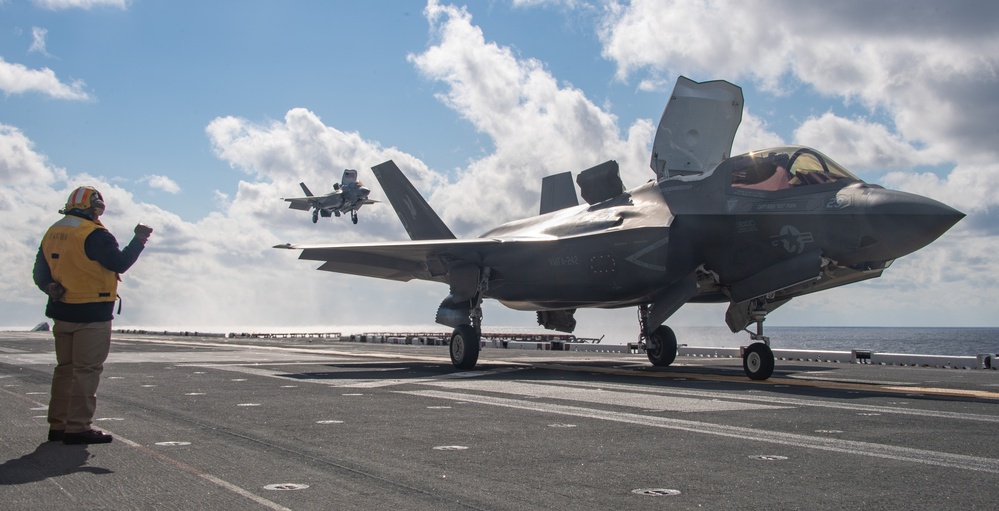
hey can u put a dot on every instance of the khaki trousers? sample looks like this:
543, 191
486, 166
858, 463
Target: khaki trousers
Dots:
81, 349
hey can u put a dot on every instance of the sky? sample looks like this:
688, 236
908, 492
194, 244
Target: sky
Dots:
196, 118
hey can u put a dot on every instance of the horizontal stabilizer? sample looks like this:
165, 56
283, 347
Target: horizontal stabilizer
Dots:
557, 192
419, 219
301, 204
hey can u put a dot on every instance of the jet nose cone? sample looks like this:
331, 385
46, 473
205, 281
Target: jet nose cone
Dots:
906, 222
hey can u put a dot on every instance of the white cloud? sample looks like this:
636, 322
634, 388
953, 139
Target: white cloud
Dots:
221, 272
970, 188
932, 70
861, 145
926, 73
58, 5
38, 44
538, 127
161, 183
754, 134
20, 164
18, 79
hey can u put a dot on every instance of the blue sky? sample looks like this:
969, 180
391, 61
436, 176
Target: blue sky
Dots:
196, 117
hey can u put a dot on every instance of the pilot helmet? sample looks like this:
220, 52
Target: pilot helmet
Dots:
83, 198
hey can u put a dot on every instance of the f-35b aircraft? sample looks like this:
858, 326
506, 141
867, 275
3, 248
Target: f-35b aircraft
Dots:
347, 197
753, 230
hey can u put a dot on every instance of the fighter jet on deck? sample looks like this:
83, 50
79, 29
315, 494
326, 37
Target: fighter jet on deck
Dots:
347, 197
753, 230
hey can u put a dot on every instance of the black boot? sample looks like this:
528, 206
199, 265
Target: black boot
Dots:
87, 437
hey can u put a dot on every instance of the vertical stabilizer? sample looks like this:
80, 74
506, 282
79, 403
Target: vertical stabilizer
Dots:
306, 190
419, 219
557, 192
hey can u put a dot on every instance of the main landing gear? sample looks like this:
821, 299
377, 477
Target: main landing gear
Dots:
353, 216
660, 344
758, 358
466, 338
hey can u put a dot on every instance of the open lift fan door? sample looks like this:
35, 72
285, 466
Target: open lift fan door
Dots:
697, 128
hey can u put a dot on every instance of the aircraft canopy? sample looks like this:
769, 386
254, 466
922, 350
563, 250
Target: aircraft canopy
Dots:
780, 168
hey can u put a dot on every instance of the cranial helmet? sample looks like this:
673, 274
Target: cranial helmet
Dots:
83, 198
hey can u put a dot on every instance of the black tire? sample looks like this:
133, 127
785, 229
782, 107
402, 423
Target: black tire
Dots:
464, 347
758, 361
661, 346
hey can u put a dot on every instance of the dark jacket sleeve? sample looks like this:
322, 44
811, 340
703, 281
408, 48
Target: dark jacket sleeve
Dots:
41, 273
101, 246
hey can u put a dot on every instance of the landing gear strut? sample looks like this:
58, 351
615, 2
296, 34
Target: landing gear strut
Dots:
758, 358
660, 344
466, 338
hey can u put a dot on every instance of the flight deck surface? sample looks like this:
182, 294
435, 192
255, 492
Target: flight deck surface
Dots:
213, 423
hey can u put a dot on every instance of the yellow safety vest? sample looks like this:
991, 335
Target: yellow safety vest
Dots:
85, 280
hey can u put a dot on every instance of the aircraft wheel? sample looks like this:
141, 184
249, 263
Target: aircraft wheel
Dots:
758, 361
662, 346
353, 218
315, 216
464, 347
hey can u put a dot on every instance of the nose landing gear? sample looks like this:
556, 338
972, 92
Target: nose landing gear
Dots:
758, 358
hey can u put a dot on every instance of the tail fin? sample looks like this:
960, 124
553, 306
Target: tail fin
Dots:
419, 219
306, 190
557, 192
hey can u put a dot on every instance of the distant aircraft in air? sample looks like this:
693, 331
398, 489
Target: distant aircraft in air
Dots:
753, 230
347, 197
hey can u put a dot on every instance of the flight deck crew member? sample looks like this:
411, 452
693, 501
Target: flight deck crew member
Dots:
77, 266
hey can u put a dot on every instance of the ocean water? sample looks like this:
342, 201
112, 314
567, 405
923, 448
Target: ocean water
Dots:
913, 340
955, 341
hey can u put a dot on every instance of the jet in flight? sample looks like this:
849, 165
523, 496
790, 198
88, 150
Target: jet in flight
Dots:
753, 230
347, 197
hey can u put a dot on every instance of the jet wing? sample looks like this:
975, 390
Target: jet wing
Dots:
401, 260
300, 203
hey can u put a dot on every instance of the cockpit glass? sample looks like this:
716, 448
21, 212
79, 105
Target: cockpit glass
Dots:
782, 168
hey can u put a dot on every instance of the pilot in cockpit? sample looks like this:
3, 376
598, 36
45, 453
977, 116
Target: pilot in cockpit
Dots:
768, 173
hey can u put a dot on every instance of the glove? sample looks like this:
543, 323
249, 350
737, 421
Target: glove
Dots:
142, 232
55, 291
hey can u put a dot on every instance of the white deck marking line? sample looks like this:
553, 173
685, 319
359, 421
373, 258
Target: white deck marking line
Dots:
208, 477
181, 465
629, 398
890, 452
319, 352
352, 382
785, 401
774, 380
